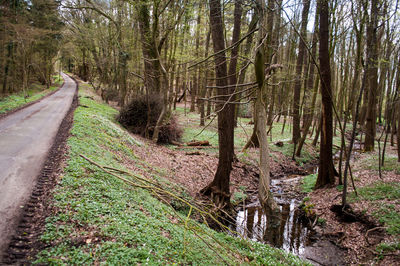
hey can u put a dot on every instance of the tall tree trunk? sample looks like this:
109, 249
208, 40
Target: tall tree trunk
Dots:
263, 56
275, 45
312, 82
254, 140
203, 90
299, 68
372, 57
245, 63
152, 70
219, 187
326, 169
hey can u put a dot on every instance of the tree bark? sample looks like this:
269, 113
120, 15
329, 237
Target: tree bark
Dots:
219, 187
326, 169
299, 68
372, 57
312, 82
263, 56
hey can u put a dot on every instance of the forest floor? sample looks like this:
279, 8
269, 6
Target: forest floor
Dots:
370, 230
90, 217
373, 237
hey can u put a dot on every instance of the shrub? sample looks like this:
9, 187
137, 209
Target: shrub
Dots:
134, 117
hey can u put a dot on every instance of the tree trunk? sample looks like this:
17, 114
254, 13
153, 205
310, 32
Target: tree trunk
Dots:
372, 57
326, 169
245, 63
299, 68
203, 90
219, 187
311, 82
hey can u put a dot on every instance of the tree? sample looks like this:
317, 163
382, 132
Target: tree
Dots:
219, 187
263, 57
299, 71
372, 57
326, 173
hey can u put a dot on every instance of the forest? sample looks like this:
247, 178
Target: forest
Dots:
249, 116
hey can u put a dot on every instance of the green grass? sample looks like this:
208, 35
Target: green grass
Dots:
15, 101
192, 131
391, 163
383, 195
308, 183
383, 248
101, 220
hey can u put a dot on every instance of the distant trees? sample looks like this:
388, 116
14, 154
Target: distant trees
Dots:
162, 47
30, 38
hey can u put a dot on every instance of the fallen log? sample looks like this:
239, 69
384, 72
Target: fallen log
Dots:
196, 147
198, 143
176, 143
193, 153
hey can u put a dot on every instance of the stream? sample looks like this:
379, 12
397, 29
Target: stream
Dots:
286, 230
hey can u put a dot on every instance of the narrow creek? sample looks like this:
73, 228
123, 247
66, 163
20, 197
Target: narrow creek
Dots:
287, 229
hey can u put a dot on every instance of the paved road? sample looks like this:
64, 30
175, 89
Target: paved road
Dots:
25, 138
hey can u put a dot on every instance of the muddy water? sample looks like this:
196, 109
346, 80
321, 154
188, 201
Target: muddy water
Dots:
285, 229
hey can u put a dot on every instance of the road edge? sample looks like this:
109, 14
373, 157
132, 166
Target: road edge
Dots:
25, 242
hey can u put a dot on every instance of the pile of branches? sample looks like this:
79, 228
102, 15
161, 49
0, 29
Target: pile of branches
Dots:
140, 116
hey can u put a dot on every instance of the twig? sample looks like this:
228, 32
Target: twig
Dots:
156, 189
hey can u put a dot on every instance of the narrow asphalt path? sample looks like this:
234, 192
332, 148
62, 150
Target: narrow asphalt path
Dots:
25, 139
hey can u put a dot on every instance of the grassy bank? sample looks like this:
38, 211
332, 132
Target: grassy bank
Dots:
100, 219
36, 92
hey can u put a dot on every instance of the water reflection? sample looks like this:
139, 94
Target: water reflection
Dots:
282, 230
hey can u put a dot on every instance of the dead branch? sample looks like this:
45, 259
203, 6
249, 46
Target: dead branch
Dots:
371, 230
199, 143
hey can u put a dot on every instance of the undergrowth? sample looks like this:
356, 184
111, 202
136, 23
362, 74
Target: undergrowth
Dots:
99, 219
308, 183
391, 163
192, 131
36, 92
386, 197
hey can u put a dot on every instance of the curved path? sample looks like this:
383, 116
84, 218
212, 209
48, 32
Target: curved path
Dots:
25, 139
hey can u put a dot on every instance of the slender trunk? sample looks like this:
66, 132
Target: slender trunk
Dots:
299, 69
203, 90
263, 55
308, 115
245, 63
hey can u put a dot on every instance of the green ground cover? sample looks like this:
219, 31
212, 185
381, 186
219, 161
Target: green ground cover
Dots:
192, 131
36, 92
102, 220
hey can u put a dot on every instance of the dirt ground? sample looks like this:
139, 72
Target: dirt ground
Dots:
360, 238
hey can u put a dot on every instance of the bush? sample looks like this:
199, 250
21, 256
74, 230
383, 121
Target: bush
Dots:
134, 117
